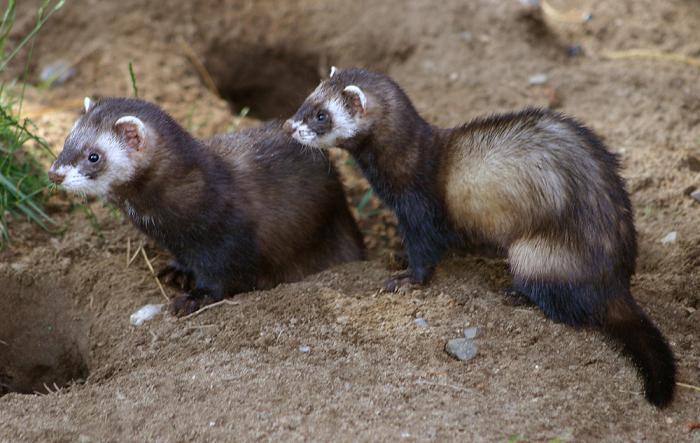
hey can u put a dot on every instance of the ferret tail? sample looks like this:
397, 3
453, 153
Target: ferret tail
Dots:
642, 341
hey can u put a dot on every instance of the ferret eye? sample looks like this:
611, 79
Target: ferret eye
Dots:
321, 116
93, 157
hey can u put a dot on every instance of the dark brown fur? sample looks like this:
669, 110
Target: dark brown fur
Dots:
241, 211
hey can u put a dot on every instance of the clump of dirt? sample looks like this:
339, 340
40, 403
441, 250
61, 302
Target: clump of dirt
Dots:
331, 357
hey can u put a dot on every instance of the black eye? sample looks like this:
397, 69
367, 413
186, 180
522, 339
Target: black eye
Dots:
321, 116
93, 158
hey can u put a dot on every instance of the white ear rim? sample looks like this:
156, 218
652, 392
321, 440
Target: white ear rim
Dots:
357, 91
333, 71
132, 120
140, 126
87, 103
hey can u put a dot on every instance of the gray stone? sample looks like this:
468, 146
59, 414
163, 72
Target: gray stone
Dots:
471, 333
538, 79
462, 349
57, 73
670, 238
421, 323
696, 195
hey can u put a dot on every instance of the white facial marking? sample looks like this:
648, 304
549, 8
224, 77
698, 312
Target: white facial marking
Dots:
86, 104
119, 168
333, 71
74, 181
344, 124
304, 135
357, 91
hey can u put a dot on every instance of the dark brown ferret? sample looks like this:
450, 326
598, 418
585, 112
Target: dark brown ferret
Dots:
241, 211
536, 183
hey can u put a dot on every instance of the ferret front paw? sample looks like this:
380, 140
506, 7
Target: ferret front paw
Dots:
177, 276
513, 297
195, 300
183, 305
400, 282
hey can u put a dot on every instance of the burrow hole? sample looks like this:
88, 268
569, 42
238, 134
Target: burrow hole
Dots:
43, 341
271, 81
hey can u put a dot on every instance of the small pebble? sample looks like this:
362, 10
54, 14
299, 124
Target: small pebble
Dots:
462, 349
670, 238
57, 73
538, 79
466, 36
144, 314
471, 333
421, 323
696, 195
574, 51
305, 349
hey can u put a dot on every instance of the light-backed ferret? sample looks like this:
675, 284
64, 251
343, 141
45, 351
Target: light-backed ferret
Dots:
536, 183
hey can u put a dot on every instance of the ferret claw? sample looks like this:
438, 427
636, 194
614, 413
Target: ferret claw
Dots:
177, 276
513, 297
399, 282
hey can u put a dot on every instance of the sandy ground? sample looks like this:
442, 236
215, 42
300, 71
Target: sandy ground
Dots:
237, 372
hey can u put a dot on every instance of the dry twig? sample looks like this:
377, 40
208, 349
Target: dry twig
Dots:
686, 385
199, 66
651, 54
211, 306
136, 254
153, 272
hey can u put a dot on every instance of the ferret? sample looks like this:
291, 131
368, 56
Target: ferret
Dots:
536, 183
241, 211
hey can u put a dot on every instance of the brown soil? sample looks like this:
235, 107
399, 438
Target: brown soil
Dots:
236, 372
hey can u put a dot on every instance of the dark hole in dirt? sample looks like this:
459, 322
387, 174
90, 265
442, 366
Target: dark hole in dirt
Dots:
271, 81
43, 341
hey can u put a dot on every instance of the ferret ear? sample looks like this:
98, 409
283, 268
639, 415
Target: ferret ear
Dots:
334, 71
132, 131
356, 98
87, 104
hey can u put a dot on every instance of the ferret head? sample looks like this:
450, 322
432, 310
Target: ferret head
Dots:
107, 146
337, 112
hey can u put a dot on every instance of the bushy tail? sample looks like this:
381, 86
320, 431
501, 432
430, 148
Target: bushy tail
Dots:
643, 343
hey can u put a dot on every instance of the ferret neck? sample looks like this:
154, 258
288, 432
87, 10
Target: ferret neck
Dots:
394, 155
171, 160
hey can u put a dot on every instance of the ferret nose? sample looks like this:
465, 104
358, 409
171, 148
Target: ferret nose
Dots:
55, 177
288, 126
